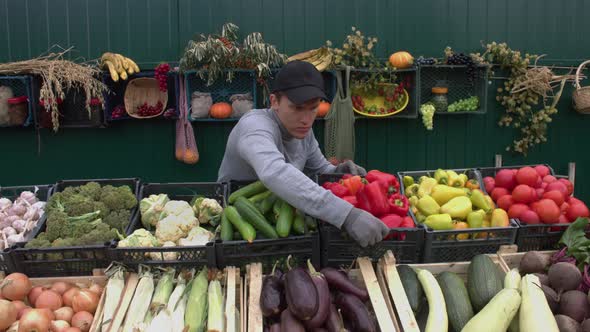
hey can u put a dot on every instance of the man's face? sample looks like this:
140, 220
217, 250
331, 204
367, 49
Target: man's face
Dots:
297, 119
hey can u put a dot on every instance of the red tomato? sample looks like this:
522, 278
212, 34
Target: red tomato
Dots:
556, 196
548, 211
489, 183
577, 211
506, 179
540, 192
529, 217
524, 194
527, 175
564, 207
572, 200
544, 185
539, 183
516, 210
542, 170
499, 192
515, 171
557, 186
505, 202
562, 220
549, 178
569, 185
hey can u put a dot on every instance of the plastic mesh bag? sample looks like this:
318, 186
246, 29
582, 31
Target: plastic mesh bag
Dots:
339, 139
200, 104
240, 104
186, 146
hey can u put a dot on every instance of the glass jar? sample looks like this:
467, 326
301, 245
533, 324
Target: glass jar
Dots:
18, 110
439, 98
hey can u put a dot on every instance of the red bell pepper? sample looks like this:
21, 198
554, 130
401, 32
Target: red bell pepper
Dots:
353, 184
327, 185
408, 223
391, 221
346, 176
372, 199
339, 190
399, 204
352, 200
388, 182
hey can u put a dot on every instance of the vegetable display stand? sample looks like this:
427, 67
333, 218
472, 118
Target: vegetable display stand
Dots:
221, 91
115, 99
174, 255
265, 250
460, 85
16, 96
363, 276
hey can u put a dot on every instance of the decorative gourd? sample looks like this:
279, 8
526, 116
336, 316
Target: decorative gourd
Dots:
401, 60
323, 109
220, 110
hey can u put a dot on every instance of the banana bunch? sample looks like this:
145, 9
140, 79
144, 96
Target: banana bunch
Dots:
321, 58
118, 66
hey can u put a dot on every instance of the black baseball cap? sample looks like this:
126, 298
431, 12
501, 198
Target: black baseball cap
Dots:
300, 81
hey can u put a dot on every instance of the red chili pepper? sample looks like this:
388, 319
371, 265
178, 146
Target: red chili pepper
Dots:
339, 190
327, 185
391, 221
388, 182
353, 183
352, 200
399, 204
372, 199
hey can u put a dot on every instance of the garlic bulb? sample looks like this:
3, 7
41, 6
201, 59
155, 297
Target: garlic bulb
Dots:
31, 214
5, 203
29, 197
19, 225
14, 239
8, 231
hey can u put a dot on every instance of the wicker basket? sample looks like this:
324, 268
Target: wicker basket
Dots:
144, 90
581, 97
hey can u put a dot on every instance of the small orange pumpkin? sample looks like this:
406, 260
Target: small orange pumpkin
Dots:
323, 109
401, 60
220, 110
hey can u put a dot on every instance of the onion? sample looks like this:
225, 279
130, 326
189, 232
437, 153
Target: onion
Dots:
61, 287
19, 305
48, 313
15, 286
50, 300
72, 329
13, 327
8, 314
82, 320
22, 311
34, 294
34, 321
59, 325
85, 300
64, 313
96, 288
68, 296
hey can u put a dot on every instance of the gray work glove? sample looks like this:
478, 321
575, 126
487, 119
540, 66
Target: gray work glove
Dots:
348, 167
364, 228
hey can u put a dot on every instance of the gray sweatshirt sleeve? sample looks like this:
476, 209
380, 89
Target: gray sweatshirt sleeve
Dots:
316, 162
259, 149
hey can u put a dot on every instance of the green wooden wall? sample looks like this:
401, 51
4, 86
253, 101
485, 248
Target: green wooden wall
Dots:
155, 30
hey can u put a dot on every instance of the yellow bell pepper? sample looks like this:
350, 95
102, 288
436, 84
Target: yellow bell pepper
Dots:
458, 207
499, 218
439, 222
442, 194
441, 176
426, 187
461, 225
479, 200
428, 206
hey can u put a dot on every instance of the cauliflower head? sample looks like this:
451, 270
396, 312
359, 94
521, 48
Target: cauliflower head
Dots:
180, 209
198, 236
172, 228
208, 211
151, 209
140, 238
166, 256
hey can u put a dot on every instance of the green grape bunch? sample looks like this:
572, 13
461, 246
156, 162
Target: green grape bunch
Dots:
464, 105
427, 111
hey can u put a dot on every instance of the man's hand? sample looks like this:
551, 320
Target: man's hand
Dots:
349, 167
364, 228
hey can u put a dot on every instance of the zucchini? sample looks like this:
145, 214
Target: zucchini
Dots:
259, 198
247, 191
299, 223
227, 230
483, 281
498, 313
267, 203
535, 314
246, 230
437, 310
412, 287
285, 220
254, 217
512, 279
459, 309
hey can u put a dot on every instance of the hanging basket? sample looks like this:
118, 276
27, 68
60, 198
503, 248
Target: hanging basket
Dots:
581, 96
144, 90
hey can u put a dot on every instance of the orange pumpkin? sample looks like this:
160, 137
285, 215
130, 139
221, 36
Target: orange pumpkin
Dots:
220, 110
401, 60
323, 109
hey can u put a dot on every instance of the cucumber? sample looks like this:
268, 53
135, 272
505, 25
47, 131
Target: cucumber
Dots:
246, 230
412, 287
498, 313
459, 309
483, 281
267, 203
276, 207
247, 191
255, 218
311, 224
299, 223
227, 230
258, 198
437, 310
285, 220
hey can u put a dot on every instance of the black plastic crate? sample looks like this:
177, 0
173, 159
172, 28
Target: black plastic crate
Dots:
460, 87
471, 173
21, 86
6, 262
43, 193
540, 236
338, 249
186, 256
243, 81
116, 96
447, 246
239, 253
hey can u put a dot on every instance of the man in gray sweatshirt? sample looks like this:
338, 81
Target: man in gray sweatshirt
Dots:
277, 146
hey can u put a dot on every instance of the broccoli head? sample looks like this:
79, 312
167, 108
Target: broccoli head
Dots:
38, 242
118, 219
118, 198
57, 225
58, 243
91, 190
100, 234
78, 205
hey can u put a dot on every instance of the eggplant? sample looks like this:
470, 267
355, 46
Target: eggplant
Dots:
356, 312
276, 327
321, 285
272, 297
289, 323
334, 321
341, 282
301, 294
